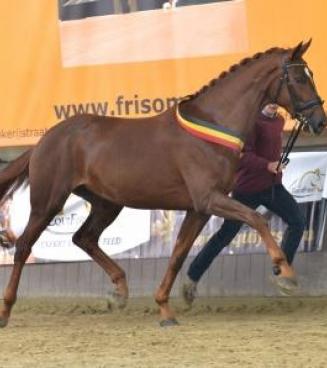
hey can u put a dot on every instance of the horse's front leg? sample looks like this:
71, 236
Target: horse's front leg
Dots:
221, 205
190, 229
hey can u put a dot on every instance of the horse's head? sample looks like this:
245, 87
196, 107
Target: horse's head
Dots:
295, 90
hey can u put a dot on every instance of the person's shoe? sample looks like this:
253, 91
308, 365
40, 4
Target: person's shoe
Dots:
189, 291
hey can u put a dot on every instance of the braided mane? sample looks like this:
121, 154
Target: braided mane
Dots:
233, 68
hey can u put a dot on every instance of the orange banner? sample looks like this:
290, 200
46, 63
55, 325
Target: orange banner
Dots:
133, 62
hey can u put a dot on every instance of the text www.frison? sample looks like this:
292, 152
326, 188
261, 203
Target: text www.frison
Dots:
121, 107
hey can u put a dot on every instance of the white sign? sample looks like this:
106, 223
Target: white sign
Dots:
305, 175
130, 229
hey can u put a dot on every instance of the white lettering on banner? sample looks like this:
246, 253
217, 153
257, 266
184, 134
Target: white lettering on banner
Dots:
131, 229
305, 175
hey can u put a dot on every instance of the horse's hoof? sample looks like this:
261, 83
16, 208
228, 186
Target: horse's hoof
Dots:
3, 322
189, 292
116, 300
286, 286
168, 322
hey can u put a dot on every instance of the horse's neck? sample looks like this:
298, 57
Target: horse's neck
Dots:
236, 100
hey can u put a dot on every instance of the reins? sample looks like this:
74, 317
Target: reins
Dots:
284, 160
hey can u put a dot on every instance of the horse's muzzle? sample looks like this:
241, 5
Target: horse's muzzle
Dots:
321, 126
315, 127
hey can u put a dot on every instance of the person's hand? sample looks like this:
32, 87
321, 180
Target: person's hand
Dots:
272, 167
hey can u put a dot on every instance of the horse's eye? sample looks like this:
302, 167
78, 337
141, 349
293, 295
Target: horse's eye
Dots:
301, 79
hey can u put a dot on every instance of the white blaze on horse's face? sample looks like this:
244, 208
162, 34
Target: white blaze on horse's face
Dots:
308, 73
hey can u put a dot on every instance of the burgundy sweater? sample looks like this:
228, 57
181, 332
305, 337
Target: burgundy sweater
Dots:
264, 145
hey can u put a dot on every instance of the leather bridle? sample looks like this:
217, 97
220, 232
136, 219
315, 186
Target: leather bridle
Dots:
297, 106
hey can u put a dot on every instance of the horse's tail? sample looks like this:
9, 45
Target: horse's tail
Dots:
14, 175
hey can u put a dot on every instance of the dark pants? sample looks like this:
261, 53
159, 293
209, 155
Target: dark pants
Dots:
282, 204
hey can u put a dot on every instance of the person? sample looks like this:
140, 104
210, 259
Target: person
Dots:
257, 183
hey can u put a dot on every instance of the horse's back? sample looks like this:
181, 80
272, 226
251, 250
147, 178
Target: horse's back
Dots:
123, 160
87, 131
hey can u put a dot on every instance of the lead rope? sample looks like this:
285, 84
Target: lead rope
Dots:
284, 160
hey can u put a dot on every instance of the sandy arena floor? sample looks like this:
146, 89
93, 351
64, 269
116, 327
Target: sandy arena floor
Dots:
242, 332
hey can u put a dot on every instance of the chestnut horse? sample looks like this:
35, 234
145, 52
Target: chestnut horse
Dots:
182, 159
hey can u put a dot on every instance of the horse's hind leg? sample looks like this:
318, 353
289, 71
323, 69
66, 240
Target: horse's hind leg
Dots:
190, 229
103, 213
38, 221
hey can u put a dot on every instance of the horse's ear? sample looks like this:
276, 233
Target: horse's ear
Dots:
306, 46
300, 49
